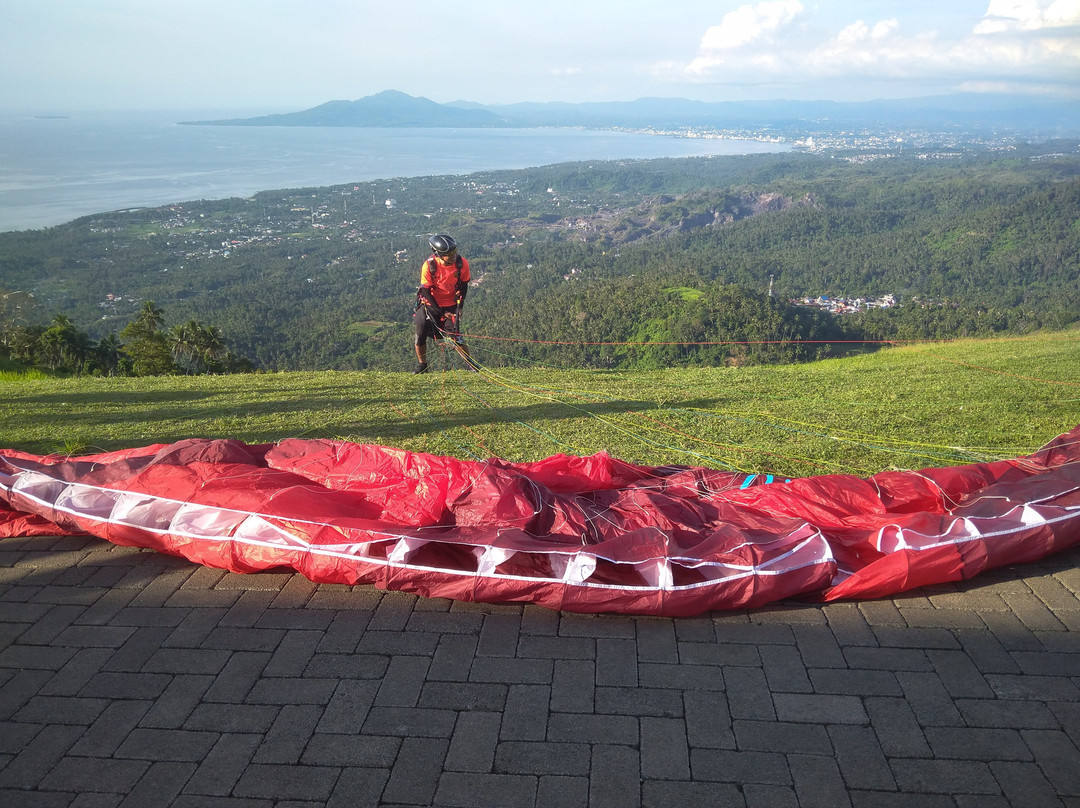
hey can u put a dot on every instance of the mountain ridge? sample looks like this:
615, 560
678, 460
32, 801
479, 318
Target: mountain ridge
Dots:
975, 111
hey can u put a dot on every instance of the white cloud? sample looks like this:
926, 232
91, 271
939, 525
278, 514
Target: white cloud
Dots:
746, 25
1016, 43
1028, 15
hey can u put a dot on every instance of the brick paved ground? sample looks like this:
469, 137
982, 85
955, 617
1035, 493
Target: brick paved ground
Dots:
132, 679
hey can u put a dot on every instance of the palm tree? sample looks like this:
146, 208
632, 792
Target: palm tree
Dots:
109, 350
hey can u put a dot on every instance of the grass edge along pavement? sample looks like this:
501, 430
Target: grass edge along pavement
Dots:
913, 406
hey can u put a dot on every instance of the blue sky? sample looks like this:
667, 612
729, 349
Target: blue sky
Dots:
280, 55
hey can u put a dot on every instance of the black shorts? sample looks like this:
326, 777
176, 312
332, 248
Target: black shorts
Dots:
425, 328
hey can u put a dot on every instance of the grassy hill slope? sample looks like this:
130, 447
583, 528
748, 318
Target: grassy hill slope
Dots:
925, 404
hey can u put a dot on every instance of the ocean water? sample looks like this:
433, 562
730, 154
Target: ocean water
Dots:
55, 169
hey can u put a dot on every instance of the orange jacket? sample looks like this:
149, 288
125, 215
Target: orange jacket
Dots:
442, 279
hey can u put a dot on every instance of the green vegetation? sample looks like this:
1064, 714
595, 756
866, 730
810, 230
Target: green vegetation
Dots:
566, 257
920, 405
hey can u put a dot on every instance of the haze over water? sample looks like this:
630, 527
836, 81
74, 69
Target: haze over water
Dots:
55, 169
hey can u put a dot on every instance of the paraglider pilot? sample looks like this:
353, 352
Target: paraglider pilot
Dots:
444, 282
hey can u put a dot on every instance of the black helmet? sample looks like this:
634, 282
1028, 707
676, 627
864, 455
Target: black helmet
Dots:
442, 244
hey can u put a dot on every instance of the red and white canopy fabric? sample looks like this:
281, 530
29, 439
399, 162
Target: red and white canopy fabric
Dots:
586, 534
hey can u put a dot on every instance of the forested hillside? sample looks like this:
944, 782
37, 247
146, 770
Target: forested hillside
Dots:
569, 256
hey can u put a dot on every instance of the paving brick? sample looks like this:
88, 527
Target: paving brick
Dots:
232, 718
740, 630
77, 671
818, 781
393, 643
556, 648
708, 720
742, 767
960, 677
180, 699
358, 787
716, 795
235, 638
293, 655
896, 727
656, 641
559, 791
1032, 612
349, 706
238, 677
446, 622
464, 696
526, 715
416, 722
986, 653
472, 747
289, 734
784, 670
38, 757
1057, 757
928, 638
639, 701
681, 677
512, 671
818, 647
780, 736
465, 790
105, 775
453, 658
139, 647
160, 786
403, 681
499, 635
539, 758
598, 729
943, 776
1011, 632
1009, 714
615, 779
975, 743
750, 694
928, 699
194, 628
762, 796
818, 708
46, 628
223, 766
854, 682
616, 663
364, 751
111, 729
1035, 688
718, 654
166, 744
415, 776
344, 633
862, 763
664, 752
1044, 663
285, 782
347, 666
1024, 784
294, 690
573, 686
599, 626
62, 710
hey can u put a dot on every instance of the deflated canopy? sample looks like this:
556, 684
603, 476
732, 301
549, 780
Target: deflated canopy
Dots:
590, 534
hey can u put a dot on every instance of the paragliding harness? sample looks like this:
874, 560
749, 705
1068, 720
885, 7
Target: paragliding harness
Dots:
438, 332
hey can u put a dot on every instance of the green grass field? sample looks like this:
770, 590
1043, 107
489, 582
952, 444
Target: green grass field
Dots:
906, 407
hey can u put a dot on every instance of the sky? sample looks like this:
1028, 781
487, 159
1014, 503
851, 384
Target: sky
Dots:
288, 55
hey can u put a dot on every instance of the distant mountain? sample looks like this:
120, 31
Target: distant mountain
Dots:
386, 109
971, 112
